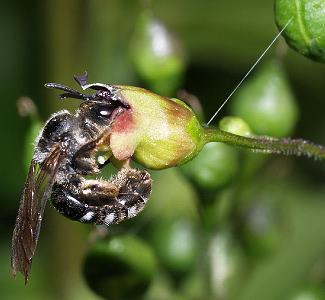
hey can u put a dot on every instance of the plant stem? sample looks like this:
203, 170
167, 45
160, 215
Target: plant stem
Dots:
286, 146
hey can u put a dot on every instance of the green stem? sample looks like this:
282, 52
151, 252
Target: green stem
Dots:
286, 146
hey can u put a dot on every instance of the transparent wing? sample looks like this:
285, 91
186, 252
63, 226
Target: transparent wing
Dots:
35, 194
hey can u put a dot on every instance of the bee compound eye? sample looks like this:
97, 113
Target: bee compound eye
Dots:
103, 111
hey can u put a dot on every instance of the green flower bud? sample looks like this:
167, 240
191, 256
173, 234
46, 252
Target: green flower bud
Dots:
162, 288
215, 166
157, 55
235, 125
157, 131
306, 32
226, 264
195, 285
266, 102
310, 292
176, 243
262, 219
120, 268
262, 229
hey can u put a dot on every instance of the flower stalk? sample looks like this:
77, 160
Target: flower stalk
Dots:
285, 146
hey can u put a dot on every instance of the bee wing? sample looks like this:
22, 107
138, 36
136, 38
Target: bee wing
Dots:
35, 194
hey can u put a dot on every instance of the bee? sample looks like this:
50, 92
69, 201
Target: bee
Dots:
69, 147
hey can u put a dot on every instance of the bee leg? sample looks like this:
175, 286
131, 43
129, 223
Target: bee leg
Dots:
83, 161
134, 192
103, 202
98, 190
65, 197
90, 158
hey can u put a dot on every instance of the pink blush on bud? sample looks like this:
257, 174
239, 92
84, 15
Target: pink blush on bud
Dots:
124, 122
124, 137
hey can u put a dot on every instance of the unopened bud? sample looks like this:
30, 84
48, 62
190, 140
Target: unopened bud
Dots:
157, 131
235, 125
121, 267
157, 54
266, 102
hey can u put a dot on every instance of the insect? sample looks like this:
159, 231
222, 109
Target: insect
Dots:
68, 148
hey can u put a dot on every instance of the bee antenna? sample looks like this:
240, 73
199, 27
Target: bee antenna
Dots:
70, 92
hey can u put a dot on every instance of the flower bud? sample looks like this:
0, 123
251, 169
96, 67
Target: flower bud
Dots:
156, 131
176, 242
266, 102
157, 54
215, 166
226, 263
306, 32
262, 228
312, 291
235, 125
120, 268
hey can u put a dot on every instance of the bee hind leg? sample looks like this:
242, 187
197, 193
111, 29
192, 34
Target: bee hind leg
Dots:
134, 189
134, 192
103, 202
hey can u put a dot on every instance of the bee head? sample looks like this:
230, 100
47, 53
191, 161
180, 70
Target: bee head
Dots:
97, 106
104, 93
98, 111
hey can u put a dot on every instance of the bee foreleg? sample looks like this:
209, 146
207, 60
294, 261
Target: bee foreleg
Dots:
90, 158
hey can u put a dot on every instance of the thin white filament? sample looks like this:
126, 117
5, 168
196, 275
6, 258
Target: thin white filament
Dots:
249, 71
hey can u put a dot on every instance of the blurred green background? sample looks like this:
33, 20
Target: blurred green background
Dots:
258, 235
